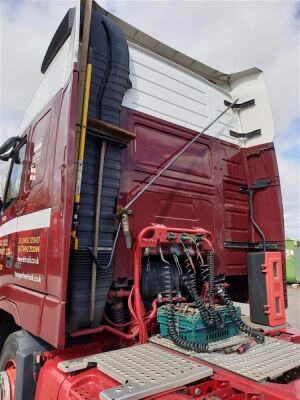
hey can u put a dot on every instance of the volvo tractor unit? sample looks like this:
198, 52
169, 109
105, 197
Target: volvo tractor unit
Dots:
142, 209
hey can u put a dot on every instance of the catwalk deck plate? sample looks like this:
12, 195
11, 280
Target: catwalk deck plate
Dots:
142, 371
262, 361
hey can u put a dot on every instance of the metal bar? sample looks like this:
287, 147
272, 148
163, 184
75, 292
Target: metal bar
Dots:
83, 131
248, 245
84, 48
96, 233
81, 150
81, 93
168, 165
154, 179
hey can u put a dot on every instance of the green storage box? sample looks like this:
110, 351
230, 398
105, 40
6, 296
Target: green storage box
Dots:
191, 327
290, 256
297, 254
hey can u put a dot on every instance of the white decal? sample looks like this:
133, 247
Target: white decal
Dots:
35, 220
28, 277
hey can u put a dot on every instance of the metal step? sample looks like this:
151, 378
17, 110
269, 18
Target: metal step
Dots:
261, 362
142, 371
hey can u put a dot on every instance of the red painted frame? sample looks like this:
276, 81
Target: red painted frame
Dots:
212, 199
54, 384
158, 237
42, 312
40, 308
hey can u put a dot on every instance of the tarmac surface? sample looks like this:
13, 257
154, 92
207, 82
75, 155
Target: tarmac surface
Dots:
293, 310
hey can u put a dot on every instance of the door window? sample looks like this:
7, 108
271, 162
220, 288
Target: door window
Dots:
37, 150
14, 182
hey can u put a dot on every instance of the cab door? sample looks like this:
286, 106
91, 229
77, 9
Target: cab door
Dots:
9, 215
34, 204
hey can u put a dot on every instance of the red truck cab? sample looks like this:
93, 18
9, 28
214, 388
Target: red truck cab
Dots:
113, 107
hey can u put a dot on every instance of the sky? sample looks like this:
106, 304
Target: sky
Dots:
227, 35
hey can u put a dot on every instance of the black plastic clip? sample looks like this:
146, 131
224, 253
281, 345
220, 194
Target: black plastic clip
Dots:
247, 135
126, 229
240, 105
258, 184
171, 236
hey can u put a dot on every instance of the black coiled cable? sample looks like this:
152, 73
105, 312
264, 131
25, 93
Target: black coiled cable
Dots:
189, 281
259, 337
203, 268
218, 318
211, 275
172, 331
211, 317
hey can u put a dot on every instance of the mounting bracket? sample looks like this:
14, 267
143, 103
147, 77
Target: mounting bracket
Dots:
240, 105
247, 135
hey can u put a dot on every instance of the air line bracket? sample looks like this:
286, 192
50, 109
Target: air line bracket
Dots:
237, 106
247, 135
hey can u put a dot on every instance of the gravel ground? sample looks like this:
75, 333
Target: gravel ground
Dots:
293, 311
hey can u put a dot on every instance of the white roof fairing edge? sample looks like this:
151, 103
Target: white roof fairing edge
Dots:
57, 74
171, 93
244, 85
175, 79
140, 38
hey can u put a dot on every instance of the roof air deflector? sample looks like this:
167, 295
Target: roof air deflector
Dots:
61, 35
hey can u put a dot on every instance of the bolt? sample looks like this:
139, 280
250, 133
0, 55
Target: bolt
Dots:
197, 392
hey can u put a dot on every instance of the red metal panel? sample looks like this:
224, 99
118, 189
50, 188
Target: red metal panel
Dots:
200, 189
39, 304
63, 178
28, 306
52, 327
53, 384
274, 288
261, 163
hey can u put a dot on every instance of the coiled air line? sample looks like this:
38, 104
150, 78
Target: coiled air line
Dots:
211, 317
259, 337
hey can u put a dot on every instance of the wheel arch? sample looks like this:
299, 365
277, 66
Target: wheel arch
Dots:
9, 323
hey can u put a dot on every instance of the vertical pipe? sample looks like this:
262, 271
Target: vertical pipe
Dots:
96, 233
83, 131
259, 230
85, 109
82, 93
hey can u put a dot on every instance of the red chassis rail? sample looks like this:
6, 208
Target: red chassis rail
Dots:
53, 384
149, 237
225, 385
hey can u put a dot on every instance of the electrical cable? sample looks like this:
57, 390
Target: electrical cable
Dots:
172, 331
217, 317
211, 317
258, 336
211, 275
189, 281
